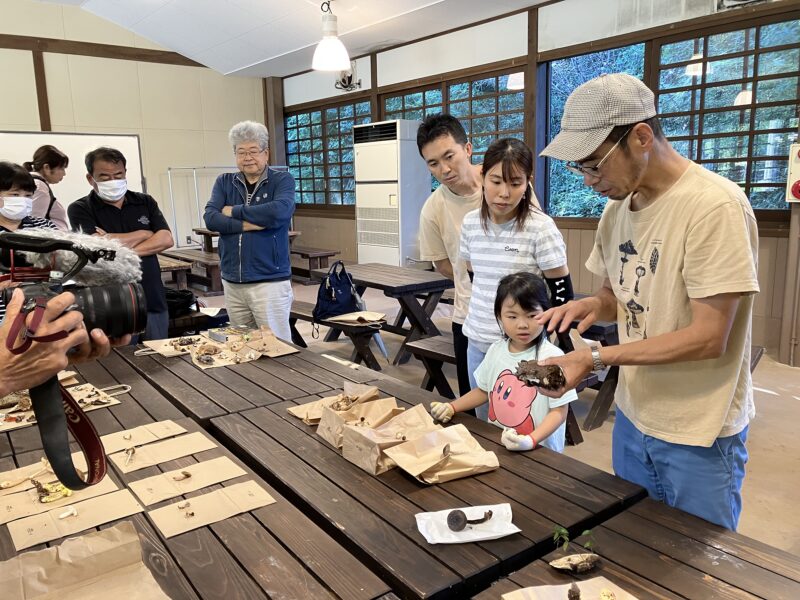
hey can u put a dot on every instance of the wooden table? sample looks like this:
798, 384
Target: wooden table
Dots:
206, 262
403, 284
203, 394
654, 551
179, 269
208, 238
373, 517
272, 552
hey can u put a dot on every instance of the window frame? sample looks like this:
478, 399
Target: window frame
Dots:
326, 209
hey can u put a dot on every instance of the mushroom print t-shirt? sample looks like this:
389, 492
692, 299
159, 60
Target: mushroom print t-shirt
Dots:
698, 239
514, 405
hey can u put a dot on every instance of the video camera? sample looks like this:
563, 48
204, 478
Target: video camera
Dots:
102, 275
116, 308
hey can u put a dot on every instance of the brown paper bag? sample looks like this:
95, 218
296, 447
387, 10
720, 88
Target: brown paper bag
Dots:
364, 446
374, 412
362, 317
443, 455
96, 566
354, 393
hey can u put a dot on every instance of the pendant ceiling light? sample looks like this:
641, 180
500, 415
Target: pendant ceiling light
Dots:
330, 55
695, 69
516, 81
743, 98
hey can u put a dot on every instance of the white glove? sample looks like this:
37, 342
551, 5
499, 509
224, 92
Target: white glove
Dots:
442, 411
516, 442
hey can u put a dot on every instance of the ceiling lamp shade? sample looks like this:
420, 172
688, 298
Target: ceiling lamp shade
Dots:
330, 55
516, 81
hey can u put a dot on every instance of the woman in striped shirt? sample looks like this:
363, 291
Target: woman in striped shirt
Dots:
16, 193
506, 235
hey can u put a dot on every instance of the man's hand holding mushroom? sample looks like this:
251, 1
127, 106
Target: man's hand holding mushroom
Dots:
576, 366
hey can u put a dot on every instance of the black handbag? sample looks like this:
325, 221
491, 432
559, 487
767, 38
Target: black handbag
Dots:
179, 302
337, 294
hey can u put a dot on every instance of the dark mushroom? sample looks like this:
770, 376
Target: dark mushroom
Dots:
636, 309
457, 519
640, 272
626, 249
574, 592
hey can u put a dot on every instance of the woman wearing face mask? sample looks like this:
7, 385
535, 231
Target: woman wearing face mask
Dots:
507, 234
16, 191
48, 167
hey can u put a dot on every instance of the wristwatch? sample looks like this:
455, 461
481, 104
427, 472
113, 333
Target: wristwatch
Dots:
597, 362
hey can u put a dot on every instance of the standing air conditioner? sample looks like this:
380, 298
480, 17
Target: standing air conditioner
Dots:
392, 184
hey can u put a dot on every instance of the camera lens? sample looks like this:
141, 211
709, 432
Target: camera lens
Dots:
116, 309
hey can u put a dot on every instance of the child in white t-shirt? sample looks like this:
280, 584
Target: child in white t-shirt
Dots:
528, 418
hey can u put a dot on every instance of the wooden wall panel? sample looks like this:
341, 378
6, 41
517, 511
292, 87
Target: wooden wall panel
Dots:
333, 234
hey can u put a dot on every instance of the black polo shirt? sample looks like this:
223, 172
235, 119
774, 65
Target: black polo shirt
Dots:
139, 211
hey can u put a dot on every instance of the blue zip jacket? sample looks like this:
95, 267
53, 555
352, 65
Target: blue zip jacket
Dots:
253, 256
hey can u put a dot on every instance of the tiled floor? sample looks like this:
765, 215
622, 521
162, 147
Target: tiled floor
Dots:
771, 486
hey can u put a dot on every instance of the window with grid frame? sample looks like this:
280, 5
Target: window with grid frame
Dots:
319, 152
566, 194
488, 109
729, 101
414, 105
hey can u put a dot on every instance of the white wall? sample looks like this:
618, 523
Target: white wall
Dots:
181, 114
578, 21
483, 44
315, 85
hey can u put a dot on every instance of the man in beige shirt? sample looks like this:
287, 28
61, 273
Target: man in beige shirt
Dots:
677, 246
443, 144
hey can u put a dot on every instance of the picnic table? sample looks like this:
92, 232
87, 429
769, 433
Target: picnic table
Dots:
208, 238
205, 268
654, 551
272, 552
206, 393
179, 269
373, 517
418, 293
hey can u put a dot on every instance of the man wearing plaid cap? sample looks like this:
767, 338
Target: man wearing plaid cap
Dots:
677, 246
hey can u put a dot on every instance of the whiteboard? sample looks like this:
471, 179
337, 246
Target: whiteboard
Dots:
19, 146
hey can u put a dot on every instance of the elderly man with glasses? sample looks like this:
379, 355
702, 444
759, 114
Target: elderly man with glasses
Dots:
252, 210
677, 247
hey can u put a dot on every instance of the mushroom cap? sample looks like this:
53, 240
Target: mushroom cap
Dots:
634, 306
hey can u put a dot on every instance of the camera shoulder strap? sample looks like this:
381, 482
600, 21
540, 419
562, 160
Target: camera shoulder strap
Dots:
57, 412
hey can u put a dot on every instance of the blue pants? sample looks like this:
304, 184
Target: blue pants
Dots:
706, 482
474, 359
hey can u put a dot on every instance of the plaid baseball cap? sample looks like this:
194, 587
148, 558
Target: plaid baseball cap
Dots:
594, 108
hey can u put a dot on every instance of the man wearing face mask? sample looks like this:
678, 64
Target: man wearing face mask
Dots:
133, 218
16, 203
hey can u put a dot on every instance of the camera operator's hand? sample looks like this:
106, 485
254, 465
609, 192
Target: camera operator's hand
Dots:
98, 346
42, 360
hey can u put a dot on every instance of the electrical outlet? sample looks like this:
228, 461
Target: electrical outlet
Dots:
188, 239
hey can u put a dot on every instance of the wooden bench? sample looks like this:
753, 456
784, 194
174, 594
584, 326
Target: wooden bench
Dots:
360, 335
206, 262
179, 269
436, 350
317, 259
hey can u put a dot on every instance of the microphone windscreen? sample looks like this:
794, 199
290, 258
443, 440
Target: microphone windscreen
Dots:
125, 268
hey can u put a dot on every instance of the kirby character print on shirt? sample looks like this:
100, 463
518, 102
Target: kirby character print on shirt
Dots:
510, 403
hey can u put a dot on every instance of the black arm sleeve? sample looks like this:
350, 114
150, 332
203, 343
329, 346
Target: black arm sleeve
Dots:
560, 289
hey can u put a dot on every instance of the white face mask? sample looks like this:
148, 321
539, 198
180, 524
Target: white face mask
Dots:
113, 190
16, 208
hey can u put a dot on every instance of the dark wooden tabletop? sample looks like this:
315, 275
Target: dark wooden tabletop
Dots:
392, 280
654, 551
203, 394
271, 552
374, 516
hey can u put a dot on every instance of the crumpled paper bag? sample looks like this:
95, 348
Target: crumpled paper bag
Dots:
443, 455
375, 412
361, 317
433, 525
364, 446
97, 566
311, 412
590, 588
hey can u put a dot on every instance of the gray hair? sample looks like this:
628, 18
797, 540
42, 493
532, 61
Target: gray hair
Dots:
249, 131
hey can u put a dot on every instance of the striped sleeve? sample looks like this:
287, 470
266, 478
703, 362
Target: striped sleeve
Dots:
549, 249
